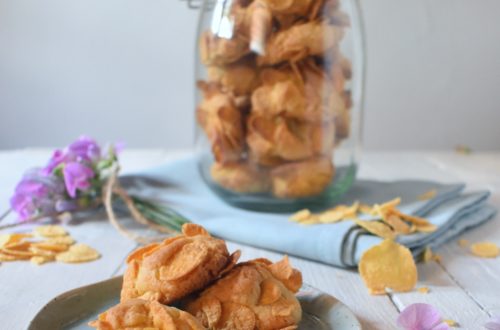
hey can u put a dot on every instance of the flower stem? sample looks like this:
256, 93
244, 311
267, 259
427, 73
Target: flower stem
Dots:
5, 214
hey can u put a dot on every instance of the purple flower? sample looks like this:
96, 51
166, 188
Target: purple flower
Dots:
85, 148
421, 317
58, 157
493, 323
34, 194
77, 177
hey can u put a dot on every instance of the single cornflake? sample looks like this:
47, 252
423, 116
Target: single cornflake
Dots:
377, 228
429, 228
48, 246
50, 231
390, 205
427, 195
451, 323
429, 255
411, 218
6, 257
388, 265
423, 290
78, 253
66, 240
366, 209
301, 215
396, 223
38, 260
7, 239
485, 250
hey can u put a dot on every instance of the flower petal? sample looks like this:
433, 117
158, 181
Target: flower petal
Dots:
493, 323
76, 177
419, 316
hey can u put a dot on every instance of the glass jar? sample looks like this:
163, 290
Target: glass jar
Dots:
279, 101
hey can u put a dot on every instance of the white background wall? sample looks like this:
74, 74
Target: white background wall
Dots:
123, 70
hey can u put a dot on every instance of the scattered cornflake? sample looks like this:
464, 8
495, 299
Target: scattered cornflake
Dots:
366, 209
46, 244
339, 213
428, 255
427, 195
423, 290
377, 228
429, 228
66, 240
391, 204
7, 239
6, 257
485, 250
463, 243
311, 221
38, 260
394, 222
451, 323
411, 218
301, 215
397, 224
78, 253
388, 266
50, 231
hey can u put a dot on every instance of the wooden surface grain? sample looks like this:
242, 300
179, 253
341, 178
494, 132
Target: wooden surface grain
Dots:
464, 288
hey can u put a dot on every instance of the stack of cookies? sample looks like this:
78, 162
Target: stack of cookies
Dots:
275, 103
195, 273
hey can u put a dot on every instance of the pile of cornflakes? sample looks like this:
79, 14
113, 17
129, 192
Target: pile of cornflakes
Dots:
389, 265
45, 244
392, 221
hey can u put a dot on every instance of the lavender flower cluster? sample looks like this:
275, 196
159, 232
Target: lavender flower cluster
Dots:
71, 180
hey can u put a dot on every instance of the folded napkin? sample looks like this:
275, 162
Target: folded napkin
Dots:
340, 244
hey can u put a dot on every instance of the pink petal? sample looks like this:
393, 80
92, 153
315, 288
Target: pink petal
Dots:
441, 326
419, 317
493, 323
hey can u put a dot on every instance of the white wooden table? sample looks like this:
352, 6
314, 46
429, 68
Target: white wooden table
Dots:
464, 288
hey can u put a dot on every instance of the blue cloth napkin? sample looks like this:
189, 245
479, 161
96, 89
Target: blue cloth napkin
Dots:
180, 185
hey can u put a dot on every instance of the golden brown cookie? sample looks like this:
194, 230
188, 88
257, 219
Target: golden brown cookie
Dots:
240, 78
221, 51
221, 119
273, 141
142, 314
302, 179
241, 177
300, 41
175, 268
303, 92
253, 295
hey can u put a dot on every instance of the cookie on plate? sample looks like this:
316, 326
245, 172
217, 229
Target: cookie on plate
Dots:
176, 267
142, 314
254, 295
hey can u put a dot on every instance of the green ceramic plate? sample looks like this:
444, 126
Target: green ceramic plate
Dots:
75, 308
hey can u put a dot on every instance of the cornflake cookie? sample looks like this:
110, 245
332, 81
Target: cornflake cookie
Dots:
302, 179
254, 295
175, 268
241, 177
142, 314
